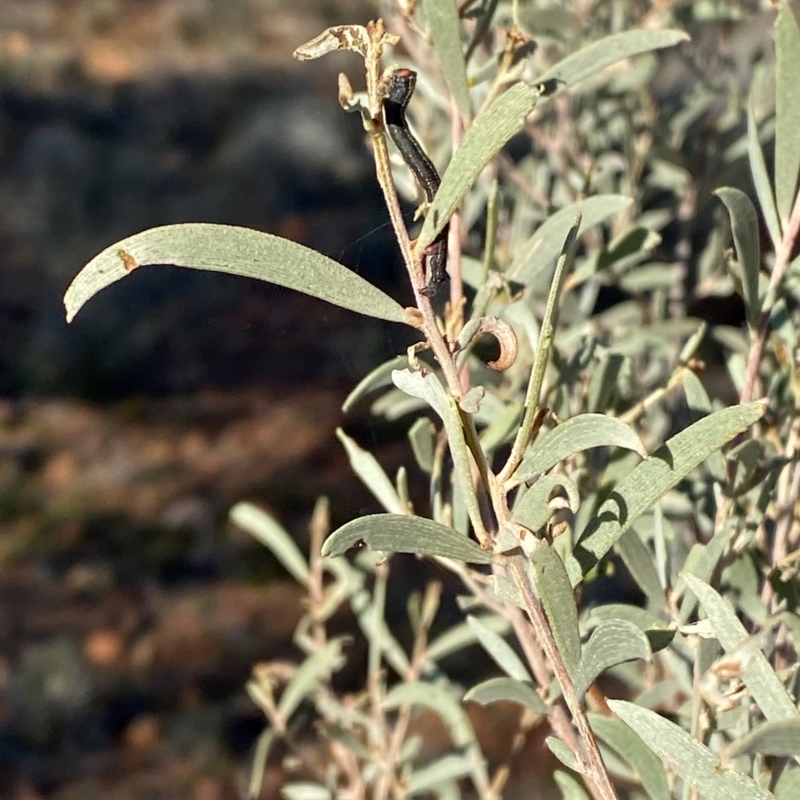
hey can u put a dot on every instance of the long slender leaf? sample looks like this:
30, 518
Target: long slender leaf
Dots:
263, 527
555, 592
653, 478
366, 466
543, 247
591, 59
695, 763
629, 746
744, 225
770, 738
758, 169
237, 251
445, 29
314, 669
499, 650
764, 685
490, 132
400, 533
787, 111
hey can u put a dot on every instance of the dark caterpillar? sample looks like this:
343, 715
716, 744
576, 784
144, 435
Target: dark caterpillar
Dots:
399, 89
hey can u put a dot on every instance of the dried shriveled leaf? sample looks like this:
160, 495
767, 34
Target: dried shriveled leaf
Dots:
653, 478
689, 759
400, 533
237, 251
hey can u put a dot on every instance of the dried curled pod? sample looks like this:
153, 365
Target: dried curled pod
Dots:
501, 331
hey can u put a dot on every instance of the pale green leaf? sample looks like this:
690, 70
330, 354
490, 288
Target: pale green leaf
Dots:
758, 676
260, 756
237, 251
306, 790
447, 768
788, 786
562, 752
423, 443
452, 714
640, 563
687, 757
555, 592
629, 746
263, 527
611, 643
444, 27
758, 169
532, 510
426, 386
462, 635
401, 533
544, 246
653, 478
569, 786
487, 136
315, 669
573, 436
700, 406
509, 690
378, 378
591, 59
366, 466
744, 226
787, 111
771, 738
499, 650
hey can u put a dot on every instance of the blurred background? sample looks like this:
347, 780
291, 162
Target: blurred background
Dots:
131, 612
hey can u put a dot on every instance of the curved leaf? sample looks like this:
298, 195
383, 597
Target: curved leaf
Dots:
378, 378
744, 226
237, 251
462, 635
569, 786
490, 132
532, 509
499, 650
611, 643
591, 59
653, 478
770, 738
372, 475
449, 767
695, 763
400, 533
509, 690
574, 436
758, 676
263, 527
426, 386
538, 252
315, 668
